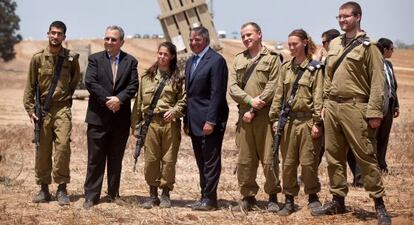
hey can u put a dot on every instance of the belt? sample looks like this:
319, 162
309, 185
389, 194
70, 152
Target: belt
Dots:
348, 100
300, 114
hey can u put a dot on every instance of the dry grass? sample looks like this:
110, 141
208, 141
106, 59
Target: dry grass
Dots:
16, 193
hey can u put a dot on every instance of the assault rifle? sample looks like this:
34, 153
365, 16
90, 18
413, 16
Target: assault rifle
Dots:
38, 121
283, 118
142, 133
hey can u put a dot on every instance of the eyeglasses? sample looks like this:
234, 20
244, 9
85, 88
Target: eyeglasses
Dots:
110, 39
324, 42
344, 17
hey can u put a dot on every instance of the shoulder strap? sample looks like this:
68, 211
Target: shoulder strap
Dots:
295, 88
154, 100
56, 76
354, 44
249, 71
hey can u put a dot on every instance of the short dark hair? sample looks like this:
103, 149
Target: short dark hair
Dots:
384, 43
255, 25
331, 34
202, 31
58, 24
356, 8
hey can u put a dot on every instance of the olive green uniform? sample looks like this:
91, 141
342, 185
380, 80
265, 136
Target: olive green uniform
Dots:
297, 145
355, 93
163, 138
56, 124
255, 139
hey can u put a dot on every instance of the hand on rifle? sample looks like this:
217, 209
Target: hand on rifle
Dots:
274, 127
33, 117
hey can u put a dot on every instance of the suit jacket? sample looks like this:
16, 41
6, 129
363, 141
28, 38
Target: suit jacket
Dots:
99, 82
394, 94
206, 93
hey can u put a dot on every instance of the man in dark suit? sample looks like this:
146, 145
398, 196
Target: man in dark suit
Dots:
392, 106
207, 113
112, 80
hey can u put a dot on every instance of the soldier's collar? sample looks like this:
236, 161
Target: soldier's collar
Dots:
359, 34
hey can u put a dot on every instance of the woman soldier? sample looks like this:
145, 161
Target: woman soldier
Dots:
301, 138
163, 137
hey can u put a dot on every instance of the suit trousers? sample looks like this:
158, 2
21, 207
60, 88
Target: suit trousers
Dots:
207, 151
105, 146
383, 135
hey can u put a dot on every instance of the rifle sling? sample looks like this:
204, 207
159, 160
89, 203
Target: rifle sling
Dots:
154, 100
249, 71
288, 103
354, 44
56, 76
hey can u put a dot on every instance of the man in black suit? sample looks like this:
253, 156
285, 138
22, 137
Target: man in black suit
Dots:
112, 80
392, 106
207, 113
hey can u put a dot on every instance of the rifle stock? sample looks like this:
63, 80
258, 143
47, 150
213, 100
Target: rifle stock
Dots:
142, 132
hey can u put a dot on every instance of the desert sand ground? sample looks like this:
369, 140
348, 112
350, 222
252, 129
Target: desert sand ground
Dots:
17, 184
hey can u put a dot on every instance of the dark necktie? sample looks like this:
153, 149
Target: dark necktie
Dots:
194, 65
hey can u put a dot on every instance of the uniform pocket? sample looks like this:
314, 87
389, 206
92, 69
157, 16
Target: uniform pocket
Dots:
147, 95
263, 70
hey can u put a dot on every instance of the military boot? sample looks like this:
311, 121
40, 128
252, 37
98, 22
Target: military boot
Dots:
313, 202
246, 204
43, 195
336, 206
62, 195
153, 199
382, 214
272, 205
289, 206
165, 201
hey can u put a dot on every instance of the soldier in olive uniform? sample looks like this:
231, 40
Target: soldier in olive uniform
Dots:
254, 136
302, 136
56, 124
163, 138
353, 112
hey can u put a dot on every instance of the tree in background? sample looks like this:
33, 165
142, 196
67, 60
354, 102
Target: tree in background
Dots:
9, 24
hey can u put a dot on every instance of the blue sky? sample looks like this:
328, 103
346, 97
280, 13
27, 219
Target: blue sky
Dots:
89, 18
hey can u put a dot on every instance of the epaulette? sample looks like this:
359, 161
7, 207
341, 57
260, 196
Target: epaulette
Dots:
39, 52
274, 53
366, 42
314, 65
242, 52
72, 55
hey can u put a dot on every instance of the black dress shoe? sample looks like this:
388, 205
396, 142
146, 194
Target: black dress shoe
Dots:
206, 205
88, 204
